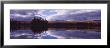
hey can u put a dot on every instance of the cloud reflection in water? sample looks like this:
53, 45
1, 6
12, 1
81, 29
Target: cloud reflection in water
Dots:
53, 34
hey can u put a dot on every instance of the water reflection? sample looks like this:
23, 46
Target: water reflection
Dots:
54, 33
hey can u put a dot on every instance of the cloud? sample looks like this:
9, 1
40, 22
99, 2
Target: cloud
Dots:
60, 12
57, 14
19, 15
73, 14
82, 11
24, 13
74, 34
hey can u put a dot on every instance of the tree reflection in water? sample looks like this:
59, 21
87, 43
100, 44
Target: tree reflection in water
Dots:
52, 33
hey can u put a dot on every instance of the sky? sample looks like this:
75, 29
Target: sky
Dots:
56, 14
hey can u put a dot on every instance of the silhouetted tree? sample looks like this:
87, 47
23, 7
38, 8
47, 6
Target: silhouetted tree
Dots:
39, 22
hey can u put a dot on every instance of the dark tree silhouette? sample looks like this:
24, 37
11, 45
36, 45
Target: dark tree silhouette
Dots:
39, 22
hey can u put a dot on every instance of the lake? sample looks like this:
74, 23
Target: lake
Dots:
55, 33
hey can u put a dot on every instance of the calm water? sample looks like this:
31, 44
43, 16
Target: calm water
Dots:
56, 34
